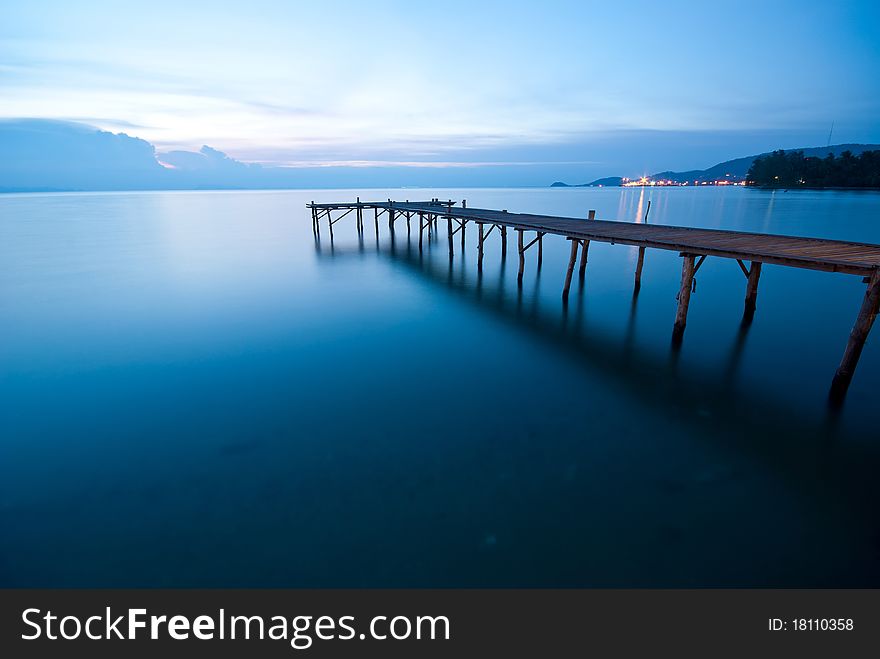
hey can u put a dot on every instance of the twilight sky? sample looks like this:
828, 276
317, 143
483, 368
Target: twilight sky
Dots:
573, 88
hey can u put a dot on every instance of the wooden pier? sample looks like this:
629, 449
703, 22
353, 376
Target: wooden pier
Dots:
693, 245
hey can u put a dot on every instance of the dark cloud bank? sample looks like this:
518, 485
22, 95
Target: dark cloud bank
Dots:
41, 155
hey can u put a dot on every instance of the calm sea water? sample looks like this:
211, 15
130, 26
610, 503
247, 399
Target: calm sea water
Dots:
195, 393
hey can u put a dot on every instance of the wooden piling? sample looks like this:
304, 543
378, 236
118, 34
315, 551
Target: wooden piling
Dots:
859, 259
752, 291
684, 297
449, 234
540, 249
857, 338
522, 255
639, 264
572, 259
480, 246
503, 242
585, 247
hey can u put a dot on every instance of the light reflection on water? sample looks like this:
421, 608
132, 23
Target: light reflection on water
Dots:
198, 393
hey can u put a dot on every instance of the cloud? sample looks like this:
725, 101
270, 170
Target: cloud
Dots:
206, 159
48, 154
42, 154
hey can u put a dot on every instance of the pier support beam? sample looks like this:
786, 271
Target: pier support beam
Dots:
540, 250
572, 259
480, 246
585, 248
857, 338
639, 263
752, 292
449, 235
522, 255
503, 242
684, 298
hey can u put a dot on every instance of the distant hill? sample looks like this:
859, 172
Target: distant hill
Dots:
733, 170
738, 168
608, 181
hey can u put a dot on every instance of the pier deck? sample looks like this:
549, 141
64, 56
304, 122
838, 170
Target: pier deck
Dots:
693, 244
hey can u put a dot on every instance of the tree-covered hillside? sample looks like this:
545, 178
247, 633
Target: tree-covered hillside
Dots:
794, 170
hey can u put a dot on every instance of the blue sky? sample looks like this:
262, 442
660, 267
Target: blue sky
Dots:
567, 87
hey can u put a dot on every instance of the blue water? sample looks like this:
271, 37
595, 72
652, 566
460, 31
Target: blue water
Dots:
196, 393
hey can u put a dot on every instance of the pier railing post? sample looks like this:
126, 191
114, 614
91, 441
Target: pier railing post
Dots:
684, 297
857, 338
